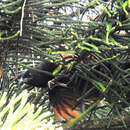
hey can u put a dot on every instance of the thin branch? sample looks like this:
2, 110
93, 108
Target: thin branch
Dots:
102, 123
21, 22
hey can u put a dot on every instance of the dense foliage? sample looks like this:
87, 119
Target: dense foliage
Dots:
96, 32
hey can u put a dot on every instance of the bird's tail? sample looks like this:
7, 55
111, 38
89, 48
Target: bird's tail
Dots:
64, 103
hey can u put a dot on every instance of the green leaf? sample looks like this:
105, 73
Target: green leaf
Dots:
11, 3
125, 4
62, 52
94, 48
57, 70
12, 11
121, 117
107, 11
72, 122
100, 85
108, 29
10, 37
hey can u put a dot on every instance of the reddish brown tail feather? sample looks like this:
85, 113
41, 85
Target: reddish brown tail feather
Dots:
64, 103
65, 111
1, 72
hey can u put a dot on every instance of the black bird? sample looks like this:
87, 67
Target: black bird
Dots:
63, 93
39, 79
61, 97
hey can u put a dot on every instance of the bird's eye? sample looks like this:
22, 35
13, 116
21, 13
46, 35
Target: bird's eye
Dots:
29, 74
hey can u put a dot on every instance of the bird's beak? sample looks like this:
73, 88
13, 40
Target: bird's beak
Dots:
23, 80
20, 83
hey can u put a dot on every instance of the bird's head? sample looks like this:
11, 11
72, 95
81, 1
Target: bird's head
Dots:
40, 75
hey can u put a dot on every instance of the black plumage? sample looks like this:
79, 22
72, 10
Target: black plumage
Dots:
39, 79
64, 90
62, 97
